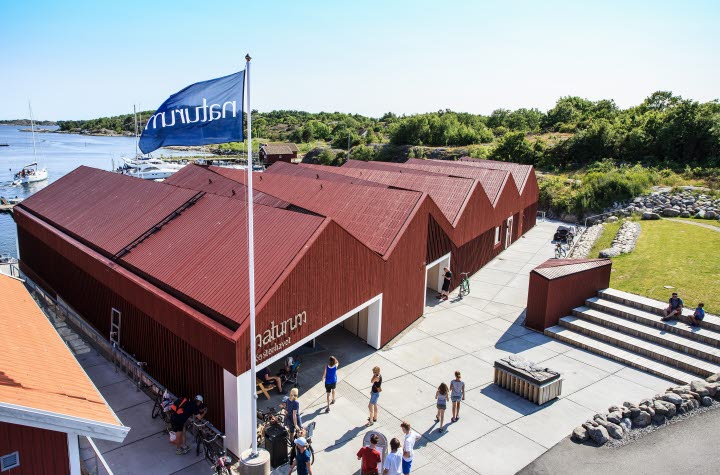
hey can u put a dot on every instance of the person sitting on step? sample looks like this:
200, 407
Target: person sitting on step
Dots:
698, 315
674, 309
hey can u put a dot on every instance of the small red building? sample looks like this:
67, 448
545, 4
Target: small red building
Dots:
278, 152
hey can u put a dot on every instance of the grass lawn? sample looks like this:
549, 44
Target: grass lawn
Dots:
605, 239
711, 222
675, 254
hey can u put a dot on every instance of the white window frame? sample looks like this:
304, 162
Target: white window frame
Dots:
4, 467
497, 235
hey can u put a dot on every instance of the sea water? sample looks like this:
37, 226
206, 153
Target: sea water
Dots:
59, 154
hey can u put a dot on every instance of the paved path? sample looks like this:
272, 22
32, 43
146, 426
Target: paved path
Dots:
498, 433
702, 225
686, 447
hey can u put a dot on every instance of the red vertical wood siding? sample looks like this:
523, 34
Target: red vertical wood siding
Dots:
41, 451
185, 370
551, 299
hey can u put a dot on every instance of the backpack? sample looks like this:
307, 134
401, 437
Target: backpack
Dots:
178, 408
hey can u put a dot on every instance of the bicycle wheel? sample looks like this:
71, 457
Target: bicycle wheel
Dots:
157, 409
222, 471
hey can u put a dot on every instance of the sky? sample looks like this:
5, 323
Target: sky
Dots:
82, 59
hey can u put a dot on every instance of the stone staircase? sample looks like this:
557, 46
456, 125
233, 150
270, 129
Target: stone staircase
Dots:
77, 345
627, 328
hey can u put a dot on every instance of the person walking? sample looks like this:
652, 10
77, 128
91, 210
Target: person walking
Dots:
370, 457
457, 394
441, 395
375, 391
330, 379
393, 461
302, 461
292, 419
410, 437
445, 292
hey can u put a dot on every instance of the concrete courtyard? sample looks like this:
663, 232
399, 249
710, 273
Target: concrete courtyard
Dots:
498, 432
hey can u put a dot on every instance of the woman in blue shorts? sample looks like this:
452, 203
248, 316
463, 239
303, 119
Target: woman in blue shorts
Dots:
376, 381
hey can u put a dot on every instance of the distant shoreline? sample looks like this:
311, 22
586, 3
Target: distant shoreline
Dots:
94, 133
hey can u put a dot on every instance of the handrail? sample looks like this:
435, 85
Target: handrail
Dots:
598, 215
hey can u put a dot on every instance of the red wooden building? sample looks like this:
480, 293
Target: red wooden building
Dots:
171, 258
278, 152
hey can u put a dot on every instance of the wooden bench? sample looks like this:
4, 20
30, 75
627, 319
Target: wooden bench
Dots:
264, 387
536, 386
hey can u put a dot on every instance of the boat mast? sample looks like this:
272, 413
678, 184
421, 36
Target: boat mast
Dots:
136, 131
32, 129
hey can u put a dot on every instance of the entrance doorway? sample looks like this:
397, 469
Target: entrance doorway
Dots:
434, 276
508, 232
358, 324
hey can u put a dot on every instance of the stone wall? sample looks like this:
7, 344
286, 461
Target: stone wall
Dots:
620, 421
586, 241
625, 239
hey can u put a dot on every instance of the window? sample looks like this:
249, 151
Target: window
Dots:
497, 235
9, 461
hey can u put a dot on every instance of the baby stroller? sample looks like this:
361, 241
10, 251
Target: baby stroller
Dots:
290, 373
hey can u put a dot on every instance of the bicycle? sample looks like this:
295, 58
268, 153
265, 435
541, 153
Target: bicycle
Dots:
560, 251
161, 408
464, 284
269, 417
214, 454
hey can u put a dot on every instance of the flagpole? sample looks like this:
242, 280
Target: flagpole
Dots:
251, 262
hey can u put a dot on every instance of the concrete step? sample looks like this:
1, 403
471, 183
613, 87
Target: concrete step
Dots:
646, 348
703, 335
652, 334
620, 355
656, 307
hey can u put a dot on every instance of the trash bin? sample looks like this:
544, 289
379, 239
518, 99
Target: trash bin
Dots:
276, 444
381, 446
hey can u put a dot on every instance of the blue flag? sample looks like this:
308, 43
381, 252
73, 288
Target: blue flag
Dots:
204, 113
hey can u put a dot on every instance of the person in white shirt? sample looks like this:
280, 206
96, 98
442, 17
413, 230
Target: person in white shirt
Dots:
410, 437
393, 461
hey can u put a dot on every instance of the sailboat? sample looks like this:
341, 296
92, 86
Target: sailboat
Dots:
145, 166
31, 173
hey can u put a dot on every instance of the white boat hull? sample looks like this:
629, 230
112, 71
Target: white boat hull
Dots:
39, 175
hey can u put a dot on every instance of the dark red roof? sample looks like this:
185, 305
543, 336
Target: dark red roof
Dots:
318, 172
520, 173
195, 177
450, 194
373, 215
203, 253
555, 268
492, 181
107, 210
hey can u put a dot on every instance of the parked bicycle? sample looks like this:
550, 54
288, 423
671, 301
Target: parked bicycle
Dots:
560, 251
161, 408
205, 440
464, 284
269, 417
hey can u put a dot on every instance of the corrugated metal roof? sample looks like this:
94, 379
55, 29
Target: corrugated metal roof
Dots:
279, 148
203, 253
373, 215
491, 180
196, 177
38, 371
105, 209
449, 193
555, 268
318, 172
520, 173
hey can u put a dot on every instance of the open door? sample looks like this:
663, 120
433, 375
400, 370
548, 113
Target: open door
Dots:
508, 232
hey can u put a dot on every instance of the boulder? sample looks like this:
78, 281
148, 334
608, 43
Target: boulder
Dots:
650, 215
580, 434
673, 398
671, 409
610, 252
700, 387
706, 401
648, 409
711, 215
700, 214
615, 417
612, 219
684, 214
614, 430
634, 412
658, 419
660, 408
642, 420
626, 424
625, 412
614, 408
646, 402
599, 435
713, 378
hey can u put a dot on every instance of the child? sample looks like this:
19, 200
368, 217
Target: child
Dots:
457, 395
699, 314
442, 396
